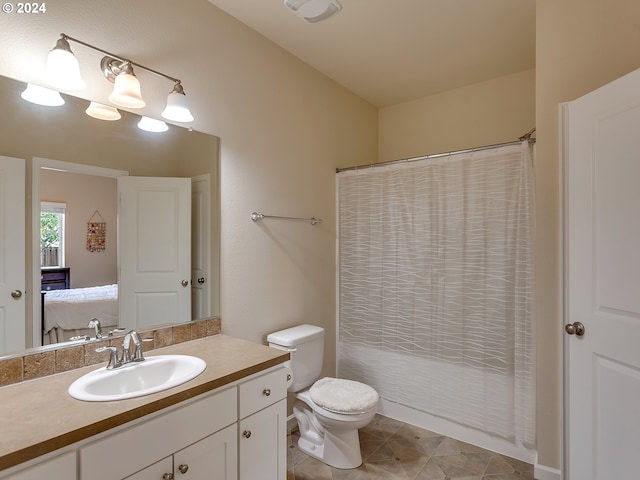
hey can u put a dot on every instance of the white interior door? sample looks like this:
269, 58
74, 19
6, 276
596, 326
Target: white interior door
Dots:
200, 246
12, 249
154, 222
602, 242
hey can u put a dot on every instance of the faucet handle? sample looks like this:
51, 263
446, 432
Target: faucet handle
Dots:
113, 356
80, 337
115, 330
138, 356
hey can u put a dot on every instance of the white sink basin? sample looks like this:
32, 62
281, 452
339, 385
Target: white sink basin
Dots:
155, 374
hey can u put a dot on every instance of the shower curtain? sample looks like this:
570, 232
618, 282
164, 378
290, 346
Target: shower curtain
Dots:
436, 301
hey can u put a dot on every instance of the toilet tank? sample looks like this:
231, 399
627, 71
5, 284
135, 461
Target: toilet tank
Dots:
305, 344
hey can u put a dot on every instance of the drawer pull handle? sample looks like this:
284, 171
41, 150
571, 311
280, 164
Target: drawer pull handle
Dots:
266, 392
184, 468
246, 433
167, 476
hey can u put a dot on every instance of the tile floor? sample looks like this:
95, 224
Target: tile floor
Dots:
396, 450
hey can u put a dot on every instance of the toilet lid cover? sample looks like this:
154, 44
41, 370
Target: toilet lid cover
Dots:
343, 396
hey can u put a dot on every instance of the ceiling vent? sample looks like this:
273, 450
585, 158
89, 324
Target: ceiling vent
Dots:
313, 11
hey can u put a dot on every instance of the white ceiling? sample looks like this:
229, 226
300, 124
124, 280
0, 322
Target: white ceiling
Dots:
392, 51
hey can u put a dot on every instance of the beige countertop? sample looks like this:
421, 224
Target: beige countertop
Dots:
39, 416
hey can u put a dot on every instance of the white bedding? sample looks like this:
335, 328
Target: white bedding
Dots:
73, 308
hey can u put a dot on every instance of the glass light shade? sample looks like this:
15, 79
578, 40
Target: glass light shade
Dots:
177, 108
152, 125
102, 112
126, 92
42, 96
63, 71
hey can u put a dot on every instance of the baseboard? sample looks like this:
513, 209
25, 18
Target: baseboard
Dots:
457, 431
541, 472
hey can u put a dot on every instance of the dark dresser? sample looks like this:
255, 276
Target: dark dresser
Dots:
54, 278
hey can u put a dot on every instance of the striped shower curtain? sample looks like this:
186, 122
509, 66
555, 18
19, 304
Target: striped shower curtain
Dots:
436, 299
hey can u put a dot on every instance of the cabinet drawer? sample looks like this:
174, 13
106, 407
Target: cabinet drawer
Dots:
134, 448
262, 391
54, 276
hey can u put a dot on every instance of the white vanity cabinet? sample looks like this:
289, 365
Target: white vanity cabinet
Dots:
262, 427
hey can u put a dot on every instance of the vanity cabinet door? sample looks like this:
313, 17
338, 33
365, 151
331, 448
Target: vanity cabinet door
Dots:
212, 458
62, 466
263, 439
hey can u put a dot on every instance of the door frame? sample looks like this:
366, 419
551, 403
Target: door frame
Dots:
203, 227
61, 166
563, 136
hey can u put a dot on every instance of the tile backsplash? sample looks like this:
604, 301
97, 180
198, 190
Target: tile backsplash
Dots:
41, 363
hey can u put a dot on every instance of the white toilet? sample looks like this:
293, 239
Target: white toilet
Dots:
329, 413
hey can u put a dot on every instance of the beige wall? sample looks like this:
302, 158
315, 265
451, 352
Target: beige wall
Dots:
581, 45
83, 196
495, 111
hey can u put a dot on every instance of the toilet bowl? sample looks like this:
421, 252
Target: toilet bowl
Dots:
328, 436
331, 411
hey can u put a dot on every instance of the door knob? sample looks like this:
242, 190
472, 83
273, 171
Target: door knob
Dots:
184, 468
16, 294
185, 283
575, 328
246, 434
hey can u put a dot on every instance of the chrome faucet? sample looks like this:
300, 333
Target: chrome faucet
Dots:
95, 323
126, 357
137, 356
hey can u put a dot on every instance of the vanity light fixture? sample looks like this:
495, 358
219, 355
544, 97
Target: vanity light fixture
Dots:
126, 91
152, 125
42, 96
102, 112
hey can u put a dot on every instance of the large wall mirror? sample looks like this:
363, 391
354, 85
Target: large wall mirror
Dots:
73, 162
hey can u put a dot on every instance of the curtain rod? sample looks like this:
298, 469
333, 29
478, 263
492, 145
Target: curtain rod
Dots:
527, 136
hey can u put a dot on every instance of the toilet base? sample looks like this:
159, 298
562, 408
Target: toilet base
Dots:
339, 448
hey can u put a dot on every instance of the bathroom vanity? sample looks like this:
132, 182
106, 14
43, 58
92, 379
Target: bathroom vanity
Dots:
227, 423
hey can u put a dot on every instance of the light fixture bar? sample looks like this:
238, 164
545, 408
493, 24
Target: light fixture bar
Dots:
117, 57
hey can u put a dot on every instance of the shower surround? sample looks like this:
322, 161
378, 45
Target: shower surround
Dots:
436, 300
